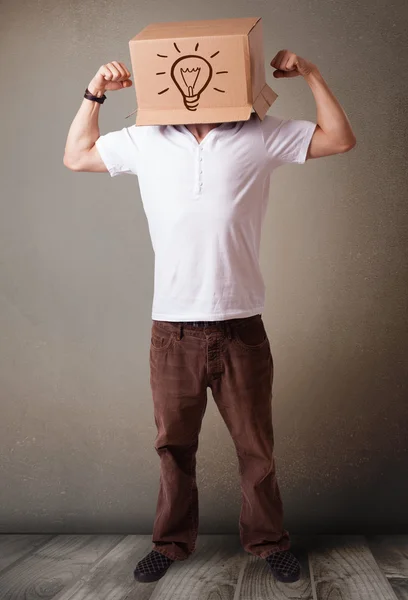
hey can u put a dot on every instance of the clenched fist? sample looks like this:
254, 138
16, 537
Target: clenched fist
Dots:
289, 64
112, 76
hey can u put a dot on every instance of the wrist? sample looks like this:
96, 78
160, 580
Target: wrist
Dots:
313, 75
95, 91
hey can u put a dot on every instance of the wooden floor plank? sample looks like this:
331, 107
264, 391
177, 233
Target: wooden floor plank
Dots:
112, 577
14, 547
391, 555
400, 587
85, 567
54, 566
343, 567
211, 573
259, 583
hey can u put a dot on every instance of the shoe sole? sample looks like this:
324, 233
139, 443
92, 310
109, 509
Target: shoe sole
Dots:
148, 577
289, 579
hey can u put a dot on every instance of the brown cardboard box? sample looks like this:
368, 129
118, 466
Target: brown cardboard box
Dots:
200, 72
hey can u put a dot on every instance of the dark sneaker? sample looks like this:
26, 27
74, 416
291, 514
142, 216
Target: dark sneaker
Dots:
284, 566
152, 567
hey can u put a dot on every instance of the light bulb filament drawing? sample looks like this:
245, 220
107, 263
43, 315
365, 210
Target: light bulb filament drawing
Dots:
191, 74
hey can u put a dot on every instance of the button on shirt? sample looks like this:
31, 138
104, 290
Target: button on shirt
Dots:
205, 204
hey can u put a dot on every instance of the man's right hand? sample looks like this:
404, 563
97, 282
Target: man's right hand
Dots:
112, 76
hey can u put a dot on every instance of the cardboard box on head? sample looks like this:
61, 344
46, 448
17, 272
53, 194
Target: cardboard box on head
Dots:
200, 72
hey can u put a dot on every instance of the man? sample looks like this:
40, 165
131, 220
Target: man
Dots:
205, 190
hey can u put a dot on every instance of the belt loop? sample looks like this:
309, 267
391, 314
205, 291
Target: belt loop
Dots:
229, 331
180, 332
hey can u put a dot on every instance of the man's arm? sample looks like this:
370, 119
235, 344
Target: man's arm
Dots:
81, 153
333, 133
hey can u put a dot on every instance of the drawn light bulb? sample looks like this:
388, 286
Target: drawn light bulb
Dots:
191, 74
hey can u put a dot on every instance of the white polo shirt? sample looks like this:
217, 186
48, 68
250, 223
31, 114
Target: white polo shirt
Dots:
205, 204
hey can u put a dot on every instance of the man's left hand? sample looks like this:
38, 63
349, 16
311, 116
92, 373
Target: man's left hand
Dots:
289, 64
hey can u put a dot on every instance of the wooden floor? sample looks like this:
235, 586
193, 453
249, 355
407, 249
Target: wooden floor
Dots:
100, 567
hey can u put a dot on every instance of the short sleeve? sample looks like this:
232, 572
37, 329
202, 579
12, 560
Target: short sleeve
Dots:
119, 151
286, 140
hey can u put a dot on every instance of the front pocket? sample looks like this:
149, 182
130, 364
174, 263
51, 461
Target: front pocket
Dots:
161, 339
252, 336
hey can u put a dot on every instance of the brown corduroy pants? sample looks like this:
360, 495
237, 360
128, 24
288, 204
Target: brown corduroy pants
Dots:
234, 359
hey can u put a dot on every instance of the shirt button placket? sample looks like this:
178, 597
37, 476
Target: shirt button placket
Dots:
200, 169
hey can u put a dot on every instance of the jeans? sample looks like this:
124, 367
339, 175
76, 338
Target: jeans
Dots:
233, 358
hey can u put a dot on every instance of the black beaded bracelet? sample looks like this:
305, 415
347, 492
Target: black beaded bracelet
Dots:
90, 96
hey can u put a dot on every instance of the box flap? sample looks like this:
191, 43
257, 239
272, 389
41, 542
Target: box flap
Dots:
187, 29
264, 101
269, 95
179, 117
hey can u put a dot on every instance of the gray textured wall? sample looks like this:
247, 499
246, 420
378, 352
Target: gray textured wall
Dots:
76, 277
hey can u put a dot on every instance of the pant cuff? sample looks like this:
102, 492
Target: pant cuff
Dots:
280, 547
169, 554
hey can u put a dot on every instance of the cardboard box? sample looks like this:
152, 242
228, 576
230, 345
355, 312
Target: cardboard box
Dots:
200, 72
